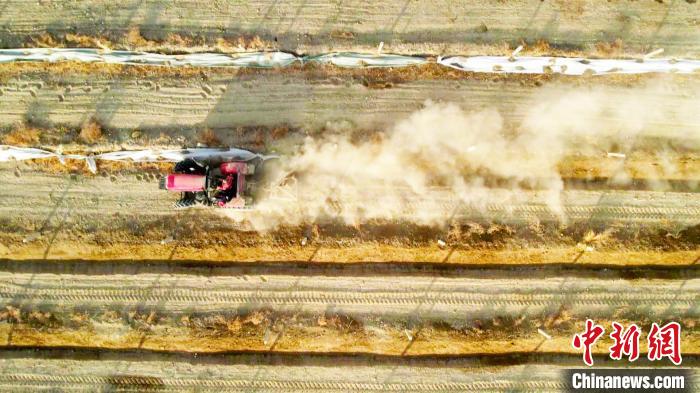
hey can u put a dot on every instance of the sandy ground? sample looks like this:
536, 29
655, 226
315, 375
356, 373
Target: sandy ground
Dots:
271, 379
177, 107
84, 196
439, 27
430, 297
382, 311
118, 216
25, 373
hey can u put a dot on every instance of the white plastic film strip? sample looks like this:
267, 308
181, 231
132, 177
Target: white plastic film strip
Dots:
255, 59
568, 65
10, 153
488, 64
359, 60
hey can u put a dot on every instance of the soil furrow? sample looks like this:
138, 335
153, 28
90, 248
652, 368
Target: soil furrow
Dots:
447, 298
357, 269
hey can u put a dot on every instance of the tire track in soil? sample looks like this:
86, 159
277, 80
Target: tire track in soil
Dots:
27, 368
430, 297
97, 199
177, 108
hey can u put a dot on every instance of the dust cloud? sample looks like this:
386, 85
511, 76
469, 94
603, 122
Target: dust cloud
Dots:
441, 157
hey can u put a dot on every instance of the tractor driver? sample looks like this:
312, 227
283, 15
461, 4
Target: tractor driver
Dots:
225, 191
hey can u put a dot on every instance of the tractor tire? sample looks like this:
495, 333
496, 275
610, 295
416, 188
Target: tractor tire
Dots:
189, 166
185, 203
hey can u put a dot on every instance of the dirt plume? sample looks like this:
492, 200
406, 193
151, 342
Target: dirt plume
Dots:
440, 158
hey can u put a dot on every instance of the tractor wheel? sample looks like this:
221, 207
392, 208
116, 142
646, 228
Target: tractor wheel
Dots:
189, 166
185, 203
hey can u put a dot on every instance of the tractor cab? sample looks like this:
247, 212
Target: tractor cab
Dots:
227, 184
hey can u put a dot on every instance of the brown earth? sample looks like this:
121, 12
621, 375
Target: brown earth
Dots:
64, 217
385, 340
440, 27
372, 252
390, 315
625, 252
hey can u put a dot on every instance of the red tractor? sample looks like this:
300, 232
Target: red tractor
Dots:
219, 184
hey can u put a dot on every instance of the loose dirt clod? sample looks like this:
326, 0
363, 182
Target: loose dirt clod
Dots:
90, 132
